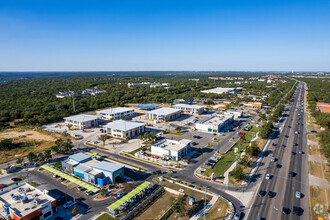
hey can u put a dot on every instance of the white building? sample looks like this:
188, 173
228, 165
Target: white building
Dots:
26, 202
83, 121
190, 109
115, 113
220, 90
171, 149
215, 123
236, 114
164, 114
125, 129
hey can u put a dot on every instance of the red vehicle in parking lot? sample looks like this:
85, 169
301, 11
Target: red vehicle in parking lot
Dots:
241, 133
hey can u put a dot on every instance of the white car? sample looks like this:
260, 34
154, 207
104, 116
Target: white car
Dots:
298, 195
68, 204
273, 159
267, 176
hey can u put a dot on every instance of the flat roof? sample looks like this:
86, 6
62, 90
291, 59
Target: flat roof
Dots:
172, 145
82, 117
164, 111
107, 166
215, 120
79, 157
21, 199
124, 125
82, 168
188, 106
218, 90
111, 111
90, 163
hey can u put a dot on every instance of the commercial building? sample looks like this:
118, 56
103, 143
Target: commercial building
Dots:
215, 123
236, 114
253, 105
83, 121
92, 170
190, 109
220, 90
24, 202
164, 114
115, 113
323, 107
171, 149
125, 129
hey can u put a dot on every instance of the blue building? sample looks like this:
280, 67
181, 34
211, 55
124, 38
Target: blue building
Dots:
92, 170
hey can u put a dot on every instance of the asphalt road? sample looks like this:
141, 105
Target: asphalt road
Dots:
280, 183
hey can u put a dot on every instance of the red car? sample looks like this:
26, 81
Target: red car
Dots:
283, 146
241, 133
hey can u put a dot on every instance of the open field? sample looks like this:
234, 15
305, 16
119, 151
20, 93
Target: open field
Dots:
318, 202
36, 141
218, 211
158, 208
105, 216
319, 170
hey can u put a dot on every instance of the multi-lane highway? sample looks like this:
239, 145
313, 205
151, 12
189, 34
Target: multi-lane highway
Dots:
288, 153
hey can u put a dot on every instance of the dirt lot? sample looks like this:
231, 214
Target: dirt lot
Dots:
318, 202
41, 141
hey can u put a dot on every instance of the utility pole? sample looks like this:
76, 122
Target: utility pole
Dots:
74, 108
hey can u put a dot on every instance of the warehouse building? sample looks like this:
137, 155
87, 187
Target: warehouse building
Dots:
125, 129
83, 121
190, 109
164, 114
215, 123
236, 114
24, 202
92, 170
171, 149
220, 90
115, 113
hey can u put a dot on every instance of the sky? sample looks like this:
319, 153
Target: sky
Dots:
137, 35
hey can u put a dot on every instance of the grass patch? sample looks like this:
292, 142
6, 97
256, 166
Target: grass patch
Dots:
158, 208
105, 216
58, 164
216, 140
214, 212
177, 133
137, 150
34, 184
230, 157
318, 197
209, 146
316, 169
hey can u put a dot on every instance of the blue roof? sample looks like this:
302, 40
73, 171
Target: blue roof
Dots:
79, 157
146, 107
107, 166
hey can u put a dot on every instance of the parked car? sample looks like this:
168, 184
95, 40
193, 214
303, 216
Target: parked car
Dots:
291, 173
238, 215
119, 195
170, 171
88, 192
60, 199
55, 176
68, 204
15, 179
157, 171
80, 188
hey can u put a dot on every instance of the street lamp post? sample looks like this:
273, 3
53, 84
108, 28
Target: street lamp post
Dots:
205, 202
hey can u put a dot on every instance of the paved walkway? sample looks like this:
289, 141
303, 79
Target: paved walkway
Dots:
316, 159
208, 206
317, 181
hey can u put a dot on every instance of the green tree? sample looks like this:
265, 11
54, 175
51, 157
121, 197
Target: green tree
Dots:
19, 161
103, 138
253, 150
178, 129
237, 173
32, 156
74, 210
48, 154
